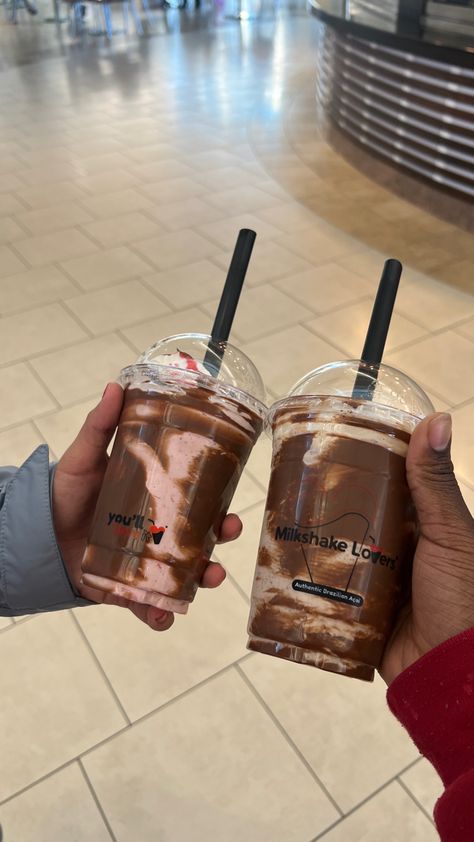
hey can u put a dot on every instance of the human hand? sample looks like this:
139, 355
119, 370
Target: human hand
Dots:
77, 482
442, 597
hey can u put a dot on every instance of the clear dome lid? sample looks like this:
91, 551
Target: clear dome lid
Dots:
195, 359
381, 385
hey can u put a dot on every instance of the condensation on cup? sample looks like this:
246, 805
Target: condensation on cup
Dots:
339, 528
192, 411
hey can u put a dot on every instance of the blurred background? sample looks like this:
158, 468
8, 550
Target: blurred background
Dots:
136, 138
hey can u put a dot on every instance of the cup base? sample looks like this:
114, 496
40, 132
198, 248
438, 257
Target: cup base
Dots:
167, 603
322, 660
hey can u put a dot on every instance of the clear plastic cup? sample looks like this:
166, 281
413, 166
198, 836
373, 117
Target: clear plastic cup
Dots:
192, 412
339, 528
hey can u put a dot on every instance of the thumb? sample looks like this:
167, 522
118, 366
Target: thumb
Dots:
88, 451
442, 513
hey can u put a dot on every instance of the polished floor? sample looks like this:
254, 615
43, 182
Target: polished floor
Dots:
126, 171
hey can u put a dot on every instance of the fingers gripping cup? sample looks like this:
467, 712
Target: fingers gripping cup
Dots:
191, 415
339, 527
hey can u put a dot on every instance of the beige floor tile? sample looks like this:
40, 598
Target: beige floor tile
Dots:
369, 264
248, 494
100, 163
5, 623
35, 331
21, 395
172, 189
222, 178
258, 465
185, 213
262, 309
289, 217
443, 362
58, 808
107, 181
50, 248
10, 182
151, 152
106, 205
391, 815
213, 159
146, 333
318, 246
122, 229
189, 284
431, 303
467, 329
83, 370
468, 495
166, 168
269, 261
105, 267
55, 218
36, 286
203, 793
273, 187
60, 428
18, 443
40, 175
347, 328
209, 638
47, 653
10, 230
239, 557
324, 288
9, 204
284, 358
351, 756
57, 193
424, 783
225, 232
116, 306
241, 199
463, 442
166, 251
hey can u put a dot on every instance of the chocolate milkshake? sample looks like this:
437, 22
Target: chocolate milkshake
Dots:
339, 527
183, 439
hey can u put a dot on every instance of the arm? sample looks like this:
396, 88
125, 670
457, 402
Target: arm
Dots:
434, 700
32, 573
429, 661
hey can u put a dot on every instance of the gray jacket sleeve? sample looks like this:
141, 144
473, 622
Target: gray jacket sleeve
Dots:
32, 573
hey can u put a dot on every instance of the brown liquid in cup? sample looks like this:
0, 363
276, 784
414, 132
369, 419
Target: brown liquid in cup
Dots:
175, 464
337, 540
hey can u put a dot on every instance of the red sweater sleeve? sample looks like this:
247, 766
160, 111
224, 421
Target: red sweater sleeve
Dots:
434, 701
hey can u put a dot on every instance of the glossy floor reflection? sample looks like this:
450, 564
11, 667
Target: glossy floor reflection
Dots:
126, 170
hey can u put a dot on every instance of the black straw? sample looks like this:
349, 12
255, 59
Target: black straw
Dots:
378, 327
229, 299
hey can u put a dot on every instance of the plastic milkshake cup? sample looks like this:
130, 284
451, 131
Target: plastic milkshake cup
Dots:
339, 529
192, 412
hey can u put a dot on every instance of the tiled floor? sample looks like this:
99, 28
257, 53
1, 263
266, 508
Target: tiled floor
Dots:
126, 171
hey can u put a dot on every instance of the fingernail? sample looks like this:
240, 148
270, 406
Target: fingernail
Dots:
104, 392
439, 431
160, 616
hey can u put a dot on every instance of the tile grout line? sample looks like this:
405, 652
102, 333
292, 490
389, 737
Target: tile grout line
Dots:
101, 669
36, 376
38, 781
96, 799
76, 318
365, 800
237, 587
414, 799
167, 704
287, 738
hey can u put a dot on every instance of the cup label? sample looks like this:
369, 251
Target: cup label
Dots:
330, 593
